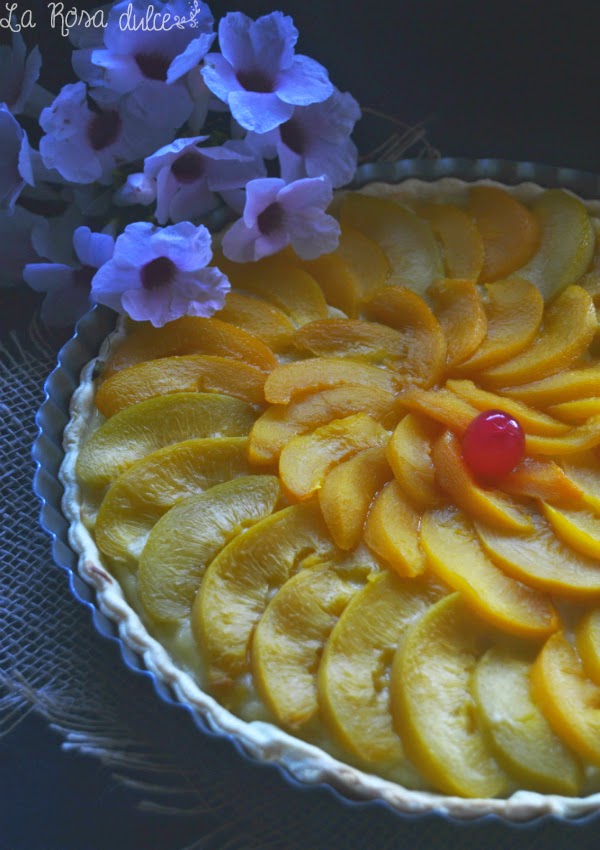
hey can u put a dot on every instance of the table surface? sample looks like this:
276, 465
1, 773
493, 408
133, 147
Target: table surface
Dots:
486, 80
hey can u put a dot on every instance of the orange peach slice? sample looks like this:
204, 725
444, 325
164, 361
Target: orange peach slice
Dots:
571, 385
368, 262
441, 405
409, 455
567, 697
576, 412
578, 529
455, 554
537, 478
279, 423
347, 492
583, 469
587, 639
569, 327
567, 243
577, 440
290, 380
258, 318
192, 373
392, 531
324, 448
488, 505
514, 310
459, 309
510, 232
461, 240
189, 335
407, 241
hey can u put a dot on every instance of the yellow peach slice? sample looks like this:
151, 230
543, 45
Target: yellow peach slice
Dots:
187, 538
567, 697
347, 492
570, 385
577, 440
583, 469
569, 327
576, 412
354, 672
279, 423
257, 317
578, 529
459, 309
538, 478
407, 241
433, 706
567, 243
454, 553
522, 738
392, 531
323, 448
587, 639
488, 505
189, 335
443, 406
409, 455
514, 310
290, 380
366, 259
192, 373
461, 240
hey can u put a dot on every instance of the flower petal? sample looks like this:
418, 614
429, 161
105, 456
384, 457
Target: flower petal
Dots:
310, 191
259, 111
273, 39
234, 39
44, 277
313, 232
193, 54
93, 249
220, 76
260, 194
305, 82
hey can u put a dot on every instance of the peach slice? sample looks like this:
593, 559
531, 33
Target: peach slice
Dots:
538, 478
514, 310
577, 440
187, 538
542, 560
488, 505
432, 704
189, 335
459, 309
571, 385
578, 529
576, 412
337, 280
454, 553
191, 373
409, 455
353, 676
567, 243
567, 697
290, 380
407, 241
523, 740
263, 320
366, 259
443, 406
323, 448
587, 638
510, 232
392, 531
582, 468
569, 327
347, 492
279, 423
461, 240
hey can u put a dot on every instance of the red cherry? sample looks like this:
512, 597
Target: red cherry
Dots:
493, 444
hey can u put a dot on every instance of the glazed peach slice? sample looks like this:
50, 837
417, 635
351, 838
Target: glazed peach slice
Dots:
587, 640
257, 317
279, 423
432, 703
347, 492
441, 405
570, 385
522, 738
583, 469
290, 380
392, 531
567, 243
459, 309
514, 310
510, 232
576, 412
488, 505
152, 485
461, 240
189, 335
409, 455
579, 529
569, 327
455, 554
407, 241
192, 373
567, 697
187, 538
354, 672
540, 478
541, 560
306, 459
244, 577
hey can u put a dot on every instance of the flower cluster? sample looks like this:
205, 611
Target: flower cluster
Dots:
165, 124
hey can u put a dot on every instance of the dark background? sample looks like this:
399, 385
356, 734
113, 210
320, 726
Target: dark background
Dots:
487, 79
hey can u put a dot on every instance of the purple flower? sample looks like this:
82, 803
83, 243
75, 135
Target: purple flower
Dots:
257, 73
277, 214
314, 141
19, 74
15, 159
67, 287
158, 274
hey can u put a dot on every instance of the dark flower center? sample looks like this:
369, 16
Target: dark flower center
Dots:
255, 80
293, 135
270, 219
158, 273
154, 66
188, 167
82, 277
104, 129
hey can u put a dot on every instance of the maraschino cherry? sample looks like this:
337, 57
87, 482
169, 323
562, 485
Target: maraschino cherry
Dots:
493, 444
